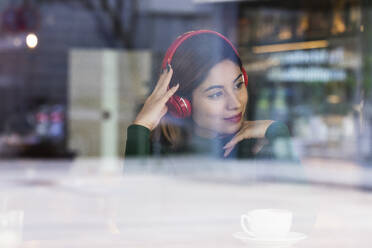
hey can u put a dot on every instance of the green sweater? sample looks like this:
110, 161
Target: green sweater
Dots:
277, 145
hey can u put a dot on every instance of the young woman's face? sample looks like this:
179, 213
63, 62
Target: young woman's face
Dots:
219, 102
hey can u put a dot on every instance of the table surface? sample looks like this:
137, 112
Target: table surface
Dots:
69, 204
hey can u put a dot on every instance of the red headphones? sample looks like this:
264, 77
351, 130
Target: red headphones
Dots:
178, 106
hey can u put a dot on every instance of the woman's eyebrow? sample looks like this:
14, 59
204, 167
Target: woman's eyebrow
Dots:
236, 79
213, 87
220, 86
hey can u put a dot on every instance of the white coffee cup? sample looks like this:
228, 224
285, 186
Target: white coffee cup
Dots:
267, 223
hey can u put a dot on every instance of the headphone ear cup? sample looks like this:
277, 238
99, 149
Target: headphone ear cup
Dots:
245, 76
179, 107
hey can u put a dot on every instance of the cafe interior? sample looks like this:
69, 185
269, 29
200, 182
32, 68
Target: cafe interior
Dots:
75, 74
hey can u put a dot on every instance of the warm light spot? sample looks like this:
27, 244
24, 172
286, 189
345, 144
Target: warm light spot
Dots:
31, 40
285, 34
334, 99
290, 46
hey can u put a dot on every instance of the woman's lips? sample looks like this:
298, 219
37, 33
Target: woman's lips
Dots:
235, 118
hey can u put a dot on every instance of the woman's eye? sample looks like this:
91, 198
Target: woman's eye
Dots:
239, 85
215, 95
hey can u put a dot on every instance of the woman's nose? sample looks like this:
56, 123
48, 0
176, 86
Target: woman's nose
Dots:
233, 102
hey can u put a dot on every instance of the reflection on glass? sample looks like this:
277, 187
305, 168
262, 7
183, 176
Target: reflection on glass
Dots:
11, 228
199, 106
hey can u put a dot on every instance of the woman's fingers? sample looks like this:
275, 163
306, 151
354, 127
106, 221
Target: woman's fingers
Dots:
170, 93
233, 141
227, 151
164, 81
159, 82
231, 144
164, 111
167, 79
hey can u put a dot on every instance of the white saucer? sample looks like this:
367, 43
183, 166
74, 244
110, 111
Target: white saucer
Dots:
287, 241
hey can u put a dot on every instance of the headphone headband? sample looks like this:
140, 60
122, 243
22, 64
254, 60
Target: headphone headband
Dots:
172, 49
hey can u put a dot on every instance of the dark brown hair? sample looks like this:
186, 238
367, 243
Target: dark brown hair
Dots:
191, 64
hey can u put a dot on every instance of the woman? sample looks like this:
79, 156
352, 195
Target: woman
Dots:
199, 106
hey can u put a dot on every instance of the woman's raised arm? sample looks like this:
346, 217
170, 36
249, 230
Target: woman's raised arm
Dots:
155, 105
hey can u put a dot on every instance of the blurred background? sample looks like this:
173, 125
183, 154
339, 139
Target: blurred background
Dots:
73, 73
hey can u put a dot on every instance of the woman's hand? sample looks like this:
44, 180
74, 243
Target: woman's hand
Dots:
249, 130
155, 105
